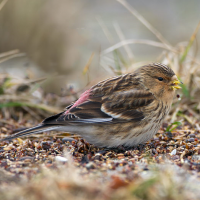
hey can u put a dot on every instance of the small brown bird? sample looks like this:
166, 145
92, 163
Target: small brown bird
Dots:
124, 110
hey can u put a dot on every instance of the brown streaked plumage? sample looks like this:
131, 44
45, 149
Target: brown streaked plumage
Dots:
125, 110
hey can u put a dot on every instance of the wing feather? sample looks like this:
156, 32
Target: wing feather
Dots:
110, 108
127, 105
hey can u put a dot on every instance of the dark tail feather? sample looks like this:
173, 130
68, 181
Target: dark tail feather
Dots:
29, 131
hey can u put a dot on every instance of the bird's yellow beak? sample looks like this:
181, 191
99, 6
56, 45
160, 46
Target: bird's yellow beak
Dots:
175, 85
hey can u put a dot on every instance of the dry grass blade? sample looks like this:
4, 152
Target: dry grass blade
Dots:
38, 80
146, 23
31, 112
6, 122
12, 56
122, 38
136, 41
9, 53
105, 30
13, 97
116, 54
192, 38
86, 68
184, 56
107, 68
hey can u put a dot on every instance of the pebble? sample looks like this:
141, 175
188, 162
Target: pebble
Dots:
61, 159
173, 152
90, 165
191, 140
68, 139
192, 135
29, 158
120, 156
98, 156
3, 129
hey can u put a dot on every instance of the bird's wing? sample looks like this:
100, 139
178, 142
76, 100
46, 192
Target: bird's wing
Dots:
127, 105
124, 105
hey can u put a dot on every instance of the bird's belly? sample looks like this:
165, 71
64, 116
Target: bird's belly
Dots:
147, 133
134, 137
113, 136
107, 137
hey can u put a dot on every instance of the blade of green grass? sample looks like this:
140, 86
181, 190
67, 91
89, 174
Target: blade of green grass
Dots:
39, 106
142, 191
185, 90
117, 62
175, 125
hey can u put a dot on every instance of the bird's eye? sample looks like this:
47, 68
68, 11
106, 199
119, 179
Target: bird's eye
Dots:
160, 78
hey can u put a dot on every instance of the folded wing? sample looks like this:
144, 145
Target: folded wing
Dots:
118, 106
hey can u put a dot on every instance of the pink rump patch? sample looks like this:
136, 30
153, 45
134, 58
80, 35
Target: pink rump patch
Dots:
84, 96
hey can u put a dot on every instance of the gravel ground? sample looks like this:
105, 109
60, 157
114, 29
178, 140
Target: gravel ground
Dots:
169, 165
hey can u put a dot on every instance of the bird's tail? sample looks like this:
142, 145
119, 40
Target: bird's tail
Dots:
37, 129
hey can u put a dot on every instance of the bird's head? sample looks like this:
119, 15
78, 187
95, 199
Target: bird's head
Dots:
159, 79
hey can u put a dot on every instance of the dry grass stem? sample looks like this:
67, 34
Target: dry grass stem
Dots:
122, 38
135, 41
146, 23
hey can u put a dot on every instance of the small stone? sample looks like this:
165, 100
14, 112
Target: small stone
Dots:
192, 135
3, 129
98, 156
169, 134
191, 140
8, 148
29, 149
84, 159
42, 151
110, 155
120, 156
26, 158
154, 151
90, 165
173, 152
61, 159
68, 139
176, 157
46, 145
103, 152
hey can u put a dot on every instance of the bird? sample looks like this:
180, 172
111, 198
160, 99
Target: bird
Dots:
125, 110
